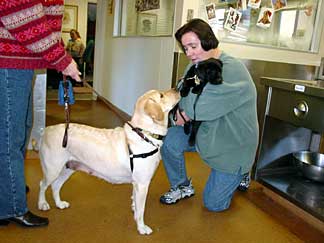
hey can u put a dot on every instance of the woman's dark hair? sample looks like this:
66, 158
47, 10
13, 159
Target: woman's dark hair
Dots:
202, 30
76, 32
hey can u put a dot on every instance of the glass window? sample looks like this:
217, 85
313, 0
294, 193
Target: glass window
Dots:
144, 17
288, 24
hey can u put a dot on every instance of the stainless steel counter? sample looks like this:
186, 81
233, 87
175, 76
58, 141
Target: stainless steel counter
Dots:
294, 120
298, 102
311, 87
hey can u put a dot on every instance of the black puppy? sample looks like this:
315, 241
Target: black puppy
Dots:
200, 74
208, 71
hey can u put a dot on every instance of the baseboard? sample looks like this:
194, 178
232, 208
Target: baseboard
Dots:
121, 114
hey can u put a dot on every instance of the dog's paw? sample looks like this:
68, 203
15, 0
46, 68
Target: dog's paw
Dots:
62, 204
133, 203
144, 230
133, 206
44, 206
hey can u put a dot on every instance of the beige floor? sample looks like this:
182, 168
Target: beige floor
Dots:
81, 93
101, 212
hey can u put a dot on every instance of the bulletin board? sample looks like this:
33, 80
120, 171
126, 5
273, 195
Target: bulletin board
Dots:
287, 24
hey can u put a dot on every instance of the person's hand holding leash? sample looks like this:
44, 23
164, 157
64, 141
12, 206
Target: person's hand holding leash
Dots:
72, 71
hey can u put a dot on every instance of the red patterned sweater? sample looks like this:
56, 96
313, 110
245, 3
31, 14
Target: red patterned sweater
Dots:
30, 34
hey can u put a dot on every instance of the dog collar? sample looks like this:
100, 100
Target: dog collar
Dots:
141, 133
153, 135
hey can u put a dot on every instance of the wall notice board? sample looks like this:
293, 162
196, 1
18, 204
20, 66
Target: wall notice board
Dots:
287, 24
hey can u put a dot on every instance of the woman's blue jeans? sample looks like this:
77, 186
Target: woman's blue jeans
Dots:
15, 126
220, 187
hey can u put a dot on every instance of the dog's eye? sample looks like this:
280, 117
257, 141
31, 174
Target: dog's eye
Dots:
161, 95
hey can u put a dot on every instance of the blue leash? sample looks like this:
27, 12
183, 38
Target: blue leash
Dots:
66, 97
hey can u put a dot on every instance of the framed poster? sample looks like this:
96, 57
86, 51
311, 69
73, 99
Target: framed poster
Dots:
278, 4
146, 24
144, 5
265, 17
254, 4
190, 14
232, 20
210, 9
70, 18
110, 6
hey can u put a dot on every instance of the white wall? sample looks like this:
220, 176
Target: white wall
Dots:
127, 67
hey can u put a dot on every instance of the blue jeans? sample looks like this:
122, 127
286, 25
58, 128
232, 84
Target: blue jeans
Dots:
220, 187
15, 126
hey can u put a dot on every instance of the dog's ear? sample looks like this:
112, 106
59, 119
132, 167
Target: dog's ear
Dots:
154, 110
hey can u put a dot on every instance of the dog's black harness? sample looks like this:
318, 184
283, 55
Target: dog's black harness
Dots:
140, 132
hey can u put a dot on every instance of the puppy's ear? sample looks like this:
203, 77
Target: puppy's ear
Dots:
154, 110
190, 73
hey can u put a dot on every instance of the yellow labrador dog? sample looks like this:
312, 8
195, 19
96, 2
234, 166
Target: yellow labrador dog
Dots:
128, 154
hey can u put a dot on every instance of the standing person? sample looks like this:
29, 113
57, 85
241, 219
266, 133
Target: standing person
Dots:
30, 38
75, 48
227, 138
88, 56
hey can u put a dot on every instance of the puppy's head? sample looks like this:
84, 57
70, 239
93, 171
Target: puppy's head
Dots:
200, 74
156, 105
210, 71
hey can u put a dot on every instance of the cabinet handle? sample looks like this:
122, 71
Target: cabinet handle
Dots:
301, 110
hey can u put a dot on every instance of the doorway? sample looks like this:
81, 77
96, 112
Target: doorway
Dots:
88, 55
81, 92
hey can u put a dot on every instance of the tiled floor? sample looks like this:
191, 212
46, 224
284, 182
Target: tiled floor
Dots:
101, 212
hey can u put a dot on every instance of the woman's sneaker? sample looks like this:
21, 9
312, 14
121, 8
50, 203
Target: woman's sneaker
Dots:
245, 183
174, 195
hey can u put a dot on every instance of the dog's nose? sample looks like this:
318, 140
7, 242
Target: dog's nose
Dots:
177, 88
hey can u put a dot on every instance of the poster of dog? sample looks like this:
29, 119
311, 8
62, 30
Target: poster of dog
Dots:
308, 10
210, 10
254, 4
144, 5
232, 20
265, 17
241, 5
278, 4
190, 14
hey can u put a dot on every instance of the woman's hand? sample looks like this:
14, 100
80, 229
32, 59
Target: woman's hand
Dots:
181, 118
72, 71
